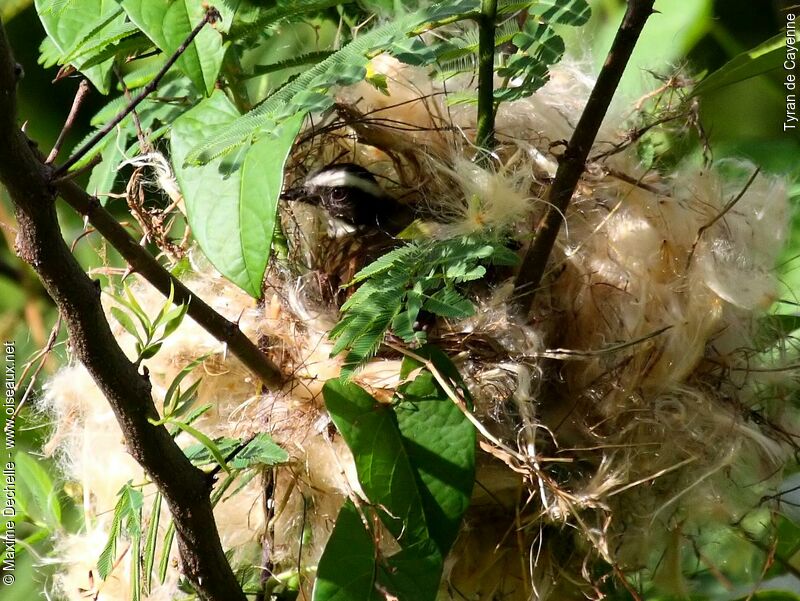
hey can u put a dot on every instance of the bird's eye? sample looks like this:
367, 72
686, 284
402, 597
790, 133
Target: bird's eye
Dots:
338, 193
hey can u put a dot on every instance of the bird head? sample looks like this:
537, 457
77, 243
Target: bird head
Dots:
351, 194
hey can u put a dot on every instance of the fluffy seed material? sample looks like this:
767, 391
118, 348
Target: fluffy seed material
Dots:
636, 390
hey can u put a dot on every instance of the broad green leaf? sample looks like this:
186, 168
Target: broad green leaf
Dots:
231, 203
352, 569
347, 569
440, 442
413, 573
91, 49
168, 23
68, 23
370, 430
767, 56
36, 496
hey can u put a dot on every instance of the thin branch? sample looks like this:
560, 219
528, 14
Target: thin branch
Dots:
146, 265
573, 162
484, 138
40, 243
80, 96
212, 16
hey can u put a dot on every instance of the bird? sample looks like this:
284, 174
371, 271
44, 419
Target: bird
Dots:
363, 222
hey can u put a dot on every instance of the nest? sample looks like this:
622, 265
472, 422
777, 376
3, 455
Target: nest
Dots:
632, 406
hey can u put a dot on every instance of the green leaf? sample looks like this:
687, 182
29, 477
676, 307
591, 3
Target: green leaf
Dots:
185, 400
231, 203
131, 302
127, 520
352, 569
347, 569
122, 48
135, 568
393, 285
168, 24
370, 430
440, 442
149, 351
413, 573
149, 555
171, 395
303, 93
308, 58
566, 12
204, 440
36, 496
449, 303
126, 322
166, 547
268, 17
261, 450
174, 318
104, 174
91, 50
767, 56
68, 23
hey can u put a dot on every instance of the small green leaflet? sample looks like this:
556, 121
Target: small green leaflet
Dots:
420, 276
232, 202
261, 450
127, 521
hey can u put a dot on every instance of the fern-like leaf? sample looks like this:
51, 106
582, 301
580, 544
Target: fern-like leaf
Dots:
396, 288
309, 91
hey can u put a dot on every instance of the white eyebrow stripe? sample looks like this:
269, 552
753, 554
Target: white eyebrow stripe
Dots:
335, 178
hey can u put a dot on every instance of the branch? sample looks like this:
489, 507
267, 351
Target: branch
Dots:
573, 162
484, 138
40, 243
212, 15
146, 265
80, 96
